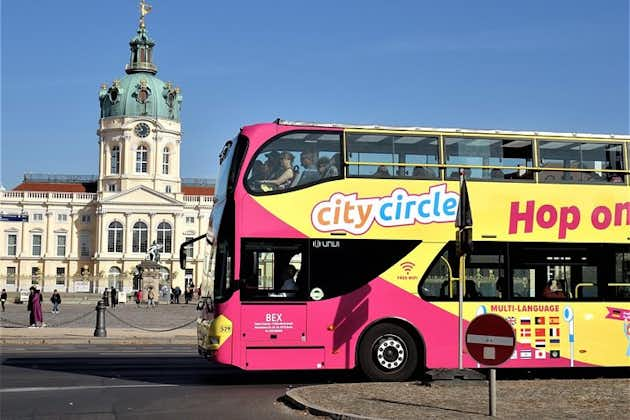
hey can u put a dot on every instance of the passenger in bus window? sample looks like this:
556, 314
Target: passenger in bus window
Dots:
310, 172
273, 165
471, 290
381, 172
553, 291
289, 282
497, 174
286, 176
501, 287
422, 173
334, 166
323, 164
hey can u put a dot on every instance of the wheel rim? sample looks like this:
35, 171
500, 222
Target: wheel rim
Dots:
390, 352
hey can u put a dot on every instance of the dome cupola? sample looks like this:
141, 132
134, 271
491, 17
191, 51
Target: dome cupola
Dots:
139, 93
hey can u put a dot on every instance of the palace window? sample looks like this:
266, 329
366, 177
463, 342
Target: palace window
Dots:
140, 237
37, 245
61, 245
115, 163
165, 160
12, 244
115, 237
164, 235
142, 157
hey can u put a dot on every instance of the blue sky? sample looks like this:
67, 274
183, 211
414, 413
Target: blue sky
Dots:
537, 65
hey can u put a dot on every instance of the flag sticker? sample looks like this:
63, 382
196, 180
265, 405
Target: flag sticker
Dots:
526, 332
540, 332
554, 341
526, 354
526, 321
511, 320
540, 354
554, 320
540, 343
554, 332
555, 354
540, 320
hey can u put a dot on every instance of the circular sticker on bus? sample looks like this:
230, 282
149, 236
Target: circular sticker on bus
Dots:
317, 294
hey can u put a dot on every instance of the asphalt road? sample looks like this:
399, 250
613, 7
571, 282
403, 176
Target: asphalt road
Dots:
140, 382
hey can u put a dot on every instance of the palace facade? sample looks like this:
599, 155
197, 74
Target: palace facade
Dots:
86, 233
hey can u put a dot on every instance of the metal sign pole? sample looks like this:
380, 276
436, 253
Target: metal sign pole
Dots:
460, 324
493, 392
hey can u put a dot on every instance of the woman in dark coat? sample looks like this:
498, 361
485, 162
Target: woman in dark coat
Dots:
29, 307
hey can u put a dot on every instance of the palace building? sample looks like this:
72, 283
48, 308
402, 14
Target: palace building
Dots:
86, 233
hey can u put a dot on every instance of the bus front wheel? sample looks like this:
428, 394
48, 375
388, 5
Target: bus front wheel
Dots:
388, 353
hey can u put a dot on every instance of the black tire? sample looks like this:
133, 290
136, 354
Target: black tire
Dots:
388, 353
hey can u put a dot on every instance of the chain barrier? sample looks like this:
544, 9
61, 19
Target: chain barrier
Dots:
8, 321
48, 324
150, 329
85, 315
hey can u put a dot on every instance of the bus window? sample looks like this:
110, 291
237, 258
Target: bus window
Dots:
620, 287
523, 283
582, 162
485, 270
294, 160
392, 156
437, 282
273, 270
505, 157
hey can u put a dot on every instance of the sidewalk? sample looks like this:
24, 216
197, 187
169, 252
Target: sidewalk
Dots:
115, 336
457, 399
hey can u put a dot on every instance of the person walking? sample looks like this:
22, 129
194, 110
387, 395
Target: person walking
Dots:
106, 296
38, 315
56, 301
151, 297
29, 307
114, 295
3, 298
138, 297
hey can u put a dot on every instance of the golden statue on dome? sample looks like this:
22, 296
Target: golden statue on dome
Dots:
145, 8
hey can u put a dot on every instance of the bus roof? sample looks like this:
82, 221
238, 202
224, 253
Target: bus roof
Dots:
454, 130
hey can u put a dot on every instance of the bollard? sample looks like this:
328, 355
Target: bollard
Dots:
100, 330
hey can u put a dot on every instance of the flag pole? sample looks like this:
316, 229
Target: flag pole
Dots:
463, 223
460, 288
460, 325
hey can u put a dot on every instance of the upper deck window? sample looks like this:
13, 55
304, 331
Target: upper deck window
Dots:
489, 158
294, 160
580, 162
392, 156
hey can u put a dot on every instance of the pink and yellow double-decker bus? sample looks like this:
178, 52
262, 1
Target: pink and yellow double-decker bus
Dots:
333, 247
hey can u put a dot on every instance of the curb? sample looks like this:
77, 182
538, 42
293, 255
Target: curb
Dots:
293, 399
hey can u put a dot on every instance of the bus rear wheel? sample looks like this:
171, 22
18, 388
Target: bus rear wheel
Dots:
387, 352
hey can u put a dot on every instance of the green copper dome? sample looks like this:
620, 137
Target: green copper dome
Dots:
140, 93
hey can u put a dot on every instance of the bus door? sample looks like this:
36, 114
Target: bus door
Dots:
274, 285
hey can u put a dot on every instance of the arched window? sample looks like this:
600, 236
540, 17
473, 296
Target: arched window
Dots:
115, 163
165, 160
115, 237
164, 234
142, 157
113, 277
140, 237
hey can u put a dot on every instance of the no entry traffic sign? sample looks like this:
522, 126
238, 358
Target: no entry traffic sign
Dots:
490, 339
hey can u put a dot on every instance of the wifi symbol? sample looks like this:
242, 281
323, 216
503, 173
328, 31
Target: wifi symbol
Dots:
407, 266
